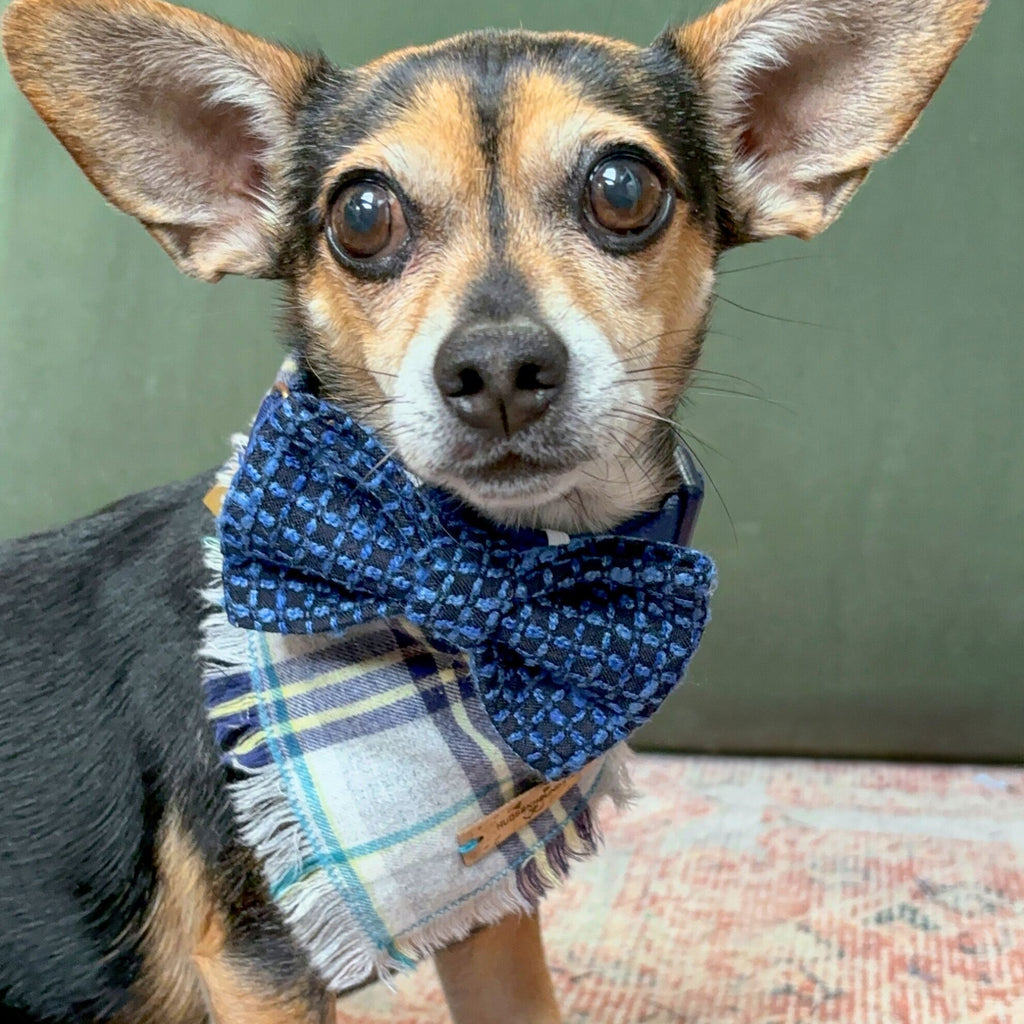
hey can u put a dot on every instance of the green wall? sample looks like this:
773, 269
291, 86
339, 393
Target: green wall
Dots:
872, 580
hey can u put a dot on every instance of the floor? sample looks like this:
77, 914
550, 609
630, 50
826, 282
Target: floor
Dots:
755, 891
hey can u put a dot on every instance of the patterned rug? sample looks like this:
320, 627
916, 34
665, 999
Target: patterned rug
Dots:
752, 891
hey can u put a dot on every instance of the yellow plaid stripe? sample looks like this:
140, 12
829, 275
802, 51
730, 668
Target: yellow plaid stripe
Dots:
292, 726
247, 701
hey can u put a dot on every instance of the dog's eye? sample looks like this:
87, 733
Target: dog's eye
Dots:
626, 198
366, 222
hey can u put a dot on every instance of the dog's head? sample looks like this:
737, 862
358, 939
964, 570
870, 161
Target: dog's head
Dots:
499, 250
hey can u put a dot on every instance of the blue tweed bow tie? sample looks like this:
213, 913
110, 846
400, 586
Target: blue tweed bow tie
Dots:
572, 646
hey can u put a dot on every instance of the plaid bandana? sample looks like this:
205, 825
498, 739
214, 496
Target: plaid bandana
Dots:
359, 752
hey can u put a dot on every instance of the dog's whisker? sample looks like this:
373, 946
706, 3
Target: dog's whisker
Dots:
650, 340
685, 436
361, 368
697, 371
770, 316
681, 431
758, 266
727, 376
721, 498
729, 393
634, 458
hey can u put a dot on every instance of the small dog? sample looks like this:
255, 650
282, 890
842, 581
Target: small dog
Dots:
498, 251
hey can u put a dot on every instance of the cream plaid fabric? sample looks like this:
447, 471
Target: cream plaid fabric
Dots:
357, 759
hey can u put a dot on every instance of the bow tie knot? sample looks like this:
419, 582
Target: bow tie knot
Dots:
571, 645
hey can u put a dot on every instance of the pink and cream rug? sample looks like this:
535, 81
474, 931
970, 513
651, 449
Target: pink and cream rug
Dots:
755, 891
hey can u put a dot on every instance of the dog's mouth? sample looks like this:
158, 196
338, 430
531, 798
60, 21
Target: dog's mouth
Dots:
517, 469
564, 490
509, 479
512, 469
572, 480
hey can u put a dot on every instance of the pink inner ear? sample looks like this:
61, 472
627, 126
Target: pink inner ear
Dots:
213, 147
204, 167
787, 107
767, 124
227, 153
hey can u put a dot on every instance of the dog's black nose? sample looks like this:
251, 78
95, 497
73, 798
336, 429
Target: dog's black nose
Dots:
500, 378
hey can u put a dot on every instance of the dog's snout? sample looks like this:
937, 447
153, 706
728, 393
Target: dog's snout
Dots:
500, 378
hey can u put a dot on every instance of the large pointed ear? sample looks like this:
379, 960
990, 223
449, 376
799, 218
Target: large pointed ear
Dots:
177, 119
806, 95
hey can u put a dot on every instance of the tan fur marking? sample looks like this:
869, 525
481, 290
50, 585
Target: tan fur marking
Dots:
367, 326
363, 339
340, 316
552, 122
236, 998
169, 989
650, 305
188, 971
438, 121
650, 308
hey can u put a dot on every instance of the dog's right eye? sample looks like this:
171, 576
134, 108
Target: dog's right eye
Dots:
365, 223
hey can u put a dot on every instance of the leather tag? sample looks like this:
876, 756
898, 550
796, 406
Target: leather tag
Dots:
478, 839
214, 499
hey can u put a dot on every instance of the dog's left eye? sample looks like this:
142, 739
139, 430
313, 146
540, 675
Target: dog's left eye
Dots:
366, 222
626, 202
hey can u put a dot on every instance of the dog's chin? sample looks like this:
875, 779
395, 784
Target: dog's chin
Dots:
506, 497
586, 498
511, 492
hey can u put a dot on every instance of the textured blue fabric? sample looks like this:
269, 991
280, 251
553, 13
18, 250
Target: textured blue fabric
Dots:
572, 646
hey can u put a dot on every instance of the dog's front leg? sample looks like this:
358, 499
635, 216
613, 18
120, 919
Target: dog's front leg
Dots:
499, 976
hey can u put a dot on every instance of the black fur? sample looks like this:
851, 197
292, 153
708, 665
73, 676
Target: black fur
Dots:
102, 729
499, 293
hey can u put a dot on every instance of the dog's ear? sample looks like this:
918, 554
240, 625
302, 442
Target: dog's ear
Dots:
177, 119
807, 94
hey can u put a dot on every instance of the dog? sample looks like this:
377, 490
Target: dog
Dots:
499, 252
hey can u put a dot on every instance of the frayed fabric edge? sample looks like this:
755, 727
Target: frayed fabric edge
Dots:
324, 926
313, 909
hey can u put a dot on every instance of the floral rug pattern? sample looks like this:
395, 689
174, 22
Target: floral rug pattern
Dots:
758, 891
